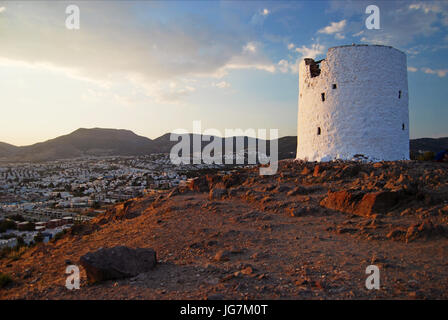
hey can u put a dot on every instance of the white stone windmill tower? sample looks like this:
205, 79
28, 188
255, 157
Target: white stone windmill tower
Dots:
354, 104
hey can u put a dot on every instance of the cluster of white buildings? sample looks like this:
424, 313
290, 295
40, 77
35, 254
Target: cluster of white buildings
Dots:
51, 193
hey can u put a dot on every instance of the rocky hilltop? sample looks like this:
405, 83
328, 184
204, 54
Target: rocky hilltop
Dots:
308, 232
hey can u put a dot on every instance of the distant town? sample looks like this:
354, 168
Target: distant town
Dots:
43, 199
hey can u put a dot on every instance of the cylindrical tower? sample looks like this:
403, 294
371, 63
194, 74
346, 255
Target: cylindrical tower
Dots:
354, 105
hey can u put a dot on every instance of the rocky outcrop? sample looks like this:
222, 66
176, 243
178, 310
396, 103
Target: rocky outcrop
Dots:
117, 262
425, 230
218, 192
361, 203
199, 184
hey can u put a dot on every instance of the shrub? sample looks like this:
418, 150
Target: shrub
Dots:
427, 156
30, 227
38, 238
5, 279
7, 225
18, 217
58, 235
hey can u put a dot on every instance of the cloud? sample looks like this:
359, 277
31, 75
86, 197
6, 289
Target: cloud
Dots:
311, 52
259, 17
432, 7
440, 72
250, 47
285, 66
334, 27
250, 57
412, 69
402, 23
291, 46
113, 43
222, 85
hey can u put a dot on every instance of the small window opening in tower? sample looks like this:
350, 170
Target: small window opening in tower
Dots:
323, 96
399, 94
334, 86
318, 131
402, 126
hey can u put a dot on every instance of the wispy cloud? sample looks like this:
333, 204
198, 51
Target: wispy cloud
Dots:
440, 72
260, 16
285, 66
334, 27
265, 12
222, 85
109, 46
312, 51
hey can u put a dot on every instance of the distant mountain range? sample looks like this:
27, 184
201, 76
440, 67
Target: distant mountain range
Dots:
429, 144
104, 142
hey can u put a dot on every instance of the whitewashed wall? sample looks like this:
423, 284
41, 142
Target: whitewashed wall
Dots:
364, 114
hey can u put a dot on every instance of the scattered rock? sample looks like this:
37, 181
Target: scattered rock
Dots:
82, 229
222, 255
300, 212
350, 171
247, 271
396, 234
298, 191
316, 171
199, 184
281, 189
425, 230
173, 193
217, 192
346, 230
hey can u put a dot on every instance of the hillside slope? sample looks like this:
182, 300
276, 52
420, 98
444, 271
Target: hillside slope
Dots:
308, 232
84, 142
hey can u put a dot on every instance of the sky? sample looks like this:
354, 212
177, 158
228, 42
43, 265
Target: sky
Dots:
153, 67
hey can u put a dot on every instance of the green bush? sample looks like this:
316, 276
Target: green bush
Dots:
58, 235
427, 156
18, 217
38, 238
7, 225
4, 252
5, 279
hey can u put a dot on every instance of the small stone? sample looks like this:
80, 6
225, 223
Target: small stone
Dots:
222, 255
247, 270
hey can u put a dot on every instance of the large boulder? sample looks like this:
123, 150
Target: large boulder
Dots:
117, 262
361, 203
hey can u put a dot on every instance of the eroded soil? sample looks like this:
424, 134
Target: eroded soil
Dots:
308, 232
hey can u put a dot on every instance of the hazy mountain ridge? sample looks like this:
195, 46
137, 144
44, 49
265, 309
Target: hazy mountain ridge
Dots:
429, 144
120, 142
